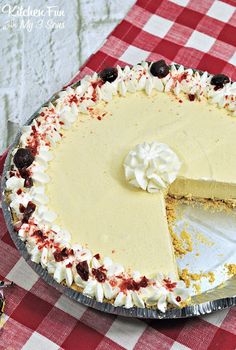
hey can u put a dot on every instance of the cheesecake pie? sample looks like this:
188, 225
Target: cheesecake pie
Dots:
90, 177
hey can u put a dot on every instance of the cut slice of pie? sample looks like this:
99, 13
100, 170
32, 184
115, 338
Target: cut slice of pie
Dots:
81, 202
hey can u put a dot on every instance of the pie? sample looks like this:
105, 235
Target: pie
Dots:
90, 176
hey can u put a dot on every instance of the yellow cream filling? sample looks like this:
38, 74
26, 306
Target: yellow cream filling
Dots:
93, 201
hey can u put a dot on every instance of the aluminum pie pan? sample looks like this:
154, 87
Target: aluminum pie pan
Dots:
205, 303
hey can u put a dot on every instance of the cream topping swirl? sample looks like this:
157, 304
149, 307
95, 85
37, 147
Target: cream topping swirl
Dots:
151, 166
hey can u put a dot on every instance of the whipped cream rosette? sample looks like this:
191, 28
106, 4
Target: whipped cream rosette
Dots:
151, 166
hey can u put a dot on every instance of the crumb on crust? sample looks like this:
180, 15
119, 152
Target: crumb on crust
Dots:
197, 288
231, 269
188, 277
204, 240
182, 244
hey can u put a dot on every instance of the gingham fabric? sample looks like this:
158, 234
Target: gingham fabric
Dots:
195, 33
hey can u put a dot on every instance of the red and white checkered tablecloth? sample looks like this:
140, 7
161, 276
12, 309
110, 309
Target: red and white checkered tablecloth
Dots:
195, 33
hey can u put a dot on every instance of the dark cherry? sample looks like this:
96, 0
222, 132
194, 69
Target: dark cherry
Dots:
191, 97
28, 211
219, 80
109, 74
24, 173
83, 270
144, 282
12, 173
28, 182
97, 256
60, 255
23, 158
159, 69
21, 208
38, 234
99, 275
132, 285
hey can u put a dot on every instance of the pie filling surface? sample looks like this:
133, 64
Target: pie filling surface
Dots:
74, 198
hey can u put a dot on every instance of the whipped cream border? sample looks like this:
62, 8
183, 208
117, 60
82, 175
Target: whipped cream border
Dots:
49, 244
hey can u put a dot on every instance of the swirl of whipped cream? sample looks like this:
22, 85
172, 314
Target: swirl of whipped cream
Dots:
151, 166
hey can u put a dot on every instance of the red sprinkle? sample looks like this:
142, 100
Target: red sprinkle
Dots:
34, 129
94, 84
99, 275
28, 211
69, 265
74, 99
183, 76
130, 284
113, 283
169, 285
98, 83
178, 298
19, 191
34, 142
180, 101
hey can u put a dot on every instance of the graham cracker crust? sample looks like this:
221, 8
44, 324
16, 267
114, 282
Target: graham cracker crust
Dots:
207, 203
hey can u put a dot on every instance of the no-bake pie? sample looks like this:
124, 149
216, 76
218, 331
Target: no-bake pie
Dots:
91, 173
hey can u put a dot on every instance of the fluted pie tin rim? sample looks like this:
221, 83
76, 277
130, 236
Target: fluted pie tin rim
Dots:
202, 304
